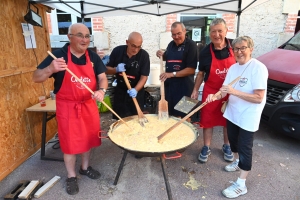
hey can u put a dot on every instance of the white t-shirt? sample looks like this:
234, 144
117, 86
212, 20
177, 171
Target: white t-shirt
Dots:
240, 112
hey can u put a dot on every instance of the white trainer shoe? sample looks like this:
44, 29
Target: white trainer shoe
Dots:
234, 191
234, 166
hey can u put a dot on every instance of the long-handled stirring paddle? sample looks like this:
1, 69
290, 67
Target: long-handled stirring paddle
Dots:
91, 91
191, 113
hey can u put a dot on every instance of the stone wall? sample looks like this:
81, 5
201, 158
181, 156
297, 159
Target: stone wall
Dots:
149, 26
269, 24
264, 24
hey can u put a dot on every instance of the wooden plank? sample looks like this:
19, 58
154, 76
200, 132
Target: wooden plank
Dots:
29, 188
47, 186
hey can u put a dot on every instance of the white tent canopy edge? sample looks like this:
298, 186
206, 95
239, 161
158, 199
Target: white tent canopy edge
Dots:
97, 8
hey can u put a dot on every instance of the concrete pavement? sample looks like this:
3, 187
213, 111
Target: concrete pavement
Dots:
275, 173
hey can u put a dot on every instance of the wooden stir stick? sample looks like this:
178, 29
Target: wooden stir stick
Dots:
163, 113
142, 118
91, 91
191, 113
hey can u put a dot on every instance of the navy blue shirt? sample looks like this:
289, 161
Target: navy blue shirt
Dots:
99, 67
189, 58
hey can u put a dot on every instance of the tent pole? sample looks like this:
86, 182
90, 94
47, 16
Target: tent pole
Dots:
239, 15
82, 15
238, 25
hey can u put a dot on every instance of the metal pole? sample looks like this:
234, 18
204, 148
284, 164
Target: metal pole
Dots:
82, 15
163, 166
238, 25
120, 167
238, 14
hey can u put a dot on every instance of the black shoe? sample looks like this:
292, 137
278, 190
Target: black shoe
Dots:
90, 172
72, 186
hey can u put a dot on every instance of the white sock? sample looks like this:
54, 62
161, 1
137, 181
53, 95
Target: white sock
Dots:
241, 182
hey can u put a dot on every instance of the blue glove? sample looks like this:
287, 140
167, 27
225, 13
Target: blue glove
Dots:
120, 67
132, 92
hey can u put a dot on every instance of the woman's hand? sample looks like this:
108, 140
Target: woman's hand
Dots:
210, 98
226, 89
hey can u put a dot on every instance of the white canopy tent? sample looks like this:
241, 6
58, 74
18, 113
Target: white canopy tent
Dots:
96, 8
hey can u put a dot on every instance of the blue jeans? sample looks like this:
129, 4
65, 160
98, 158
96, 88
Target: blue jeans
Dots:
241, 142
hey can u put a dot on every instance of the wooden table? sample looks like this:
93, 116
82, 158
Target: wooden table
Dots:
49, 108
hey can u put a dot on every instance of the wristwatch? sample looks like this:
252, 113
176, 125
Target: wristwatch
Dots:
103, 89
174, 74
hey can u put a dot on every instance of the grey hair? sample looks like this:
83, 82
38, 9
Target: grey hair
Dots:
246, 39
174, 25
217, 21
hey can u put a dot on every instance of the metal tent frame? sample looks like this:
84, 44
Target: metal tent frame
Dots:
93, 8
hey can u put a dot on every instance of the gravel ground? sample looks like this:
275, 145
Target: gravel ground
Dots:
275, 174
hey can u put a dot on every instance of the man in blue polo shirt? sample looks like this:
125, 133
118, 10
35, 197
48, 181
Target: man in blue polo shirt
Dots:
181, 62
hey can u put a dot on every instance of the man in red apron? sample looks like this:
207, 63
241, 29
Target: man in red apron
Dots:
76, 110
214, 61
181, 62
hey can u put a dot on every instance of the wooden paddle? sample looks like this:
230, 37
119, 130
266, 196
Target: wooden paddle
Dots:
142, 118
91, 91
163, 113
191, 113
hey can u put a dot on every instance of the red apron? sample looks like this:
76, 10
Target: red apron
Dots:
76, 112
211, 114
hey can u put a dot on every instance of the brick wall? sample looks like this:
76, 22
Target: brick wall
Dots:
230, 21
97, 24
171, 18
290, 23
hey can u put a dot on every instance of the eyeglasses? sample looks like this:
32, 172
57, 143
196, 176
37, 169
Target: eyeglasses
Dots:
134, 46
176, 34
242, 49
79, 35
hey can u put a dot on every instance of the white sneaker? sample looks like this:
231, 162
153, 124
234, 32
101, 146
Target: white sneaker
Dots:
234, 190
233, 166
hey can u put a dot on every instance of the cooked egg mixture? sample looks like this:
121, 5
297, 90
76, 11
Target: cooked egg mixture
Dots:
144, 139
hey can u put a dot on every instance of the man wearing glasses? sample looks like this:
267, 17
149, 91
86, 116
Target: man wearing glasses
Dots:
214, 62
181, 62
76, 111
135, 61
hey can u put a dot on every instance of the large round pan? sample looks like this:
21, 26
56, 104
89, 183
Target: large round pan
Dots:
151, 154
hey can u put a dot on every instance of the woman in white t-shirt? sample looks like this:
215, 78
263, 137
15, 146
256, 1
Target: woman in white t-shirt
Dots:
247, 98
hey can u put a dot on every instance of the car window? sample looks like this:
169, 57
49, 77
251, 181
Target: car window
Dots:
294, 43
